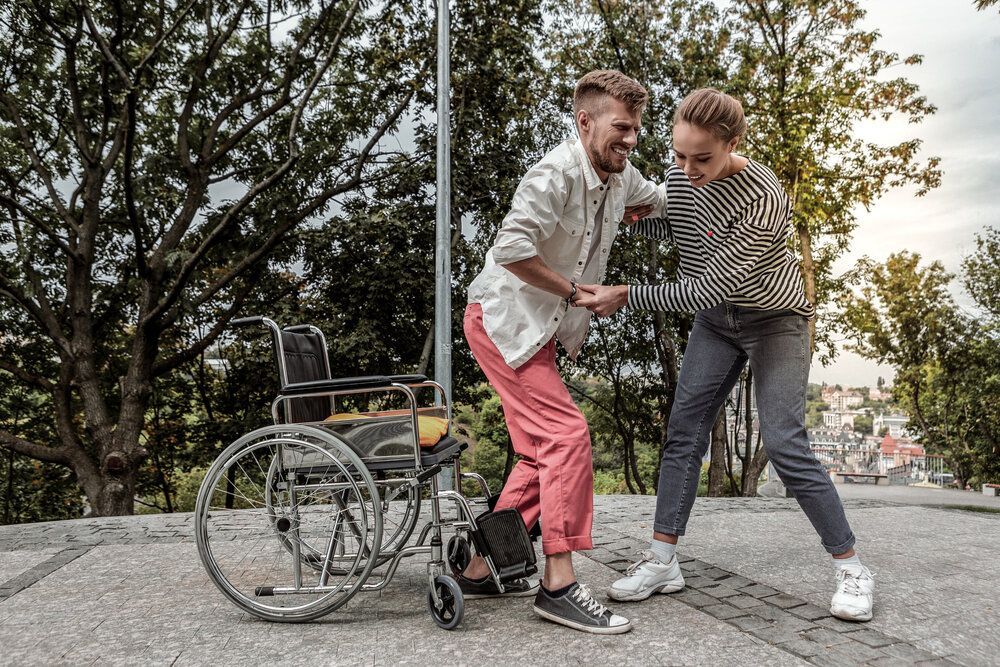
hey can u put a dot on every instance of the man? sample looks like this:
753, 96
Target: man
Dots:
563, 219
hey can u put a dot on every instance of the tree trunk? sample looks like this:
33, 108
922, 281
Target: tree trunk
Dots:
808, 278
717, 479
752, 470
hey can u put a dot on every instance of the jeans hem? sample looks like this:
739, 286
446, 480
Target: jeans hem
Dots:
563, 544
661, 528
841, 548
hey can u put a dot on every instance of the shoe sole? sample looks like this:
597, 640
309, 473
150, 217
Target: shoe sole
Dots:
638, 596
511, 594
596, 630
846, 615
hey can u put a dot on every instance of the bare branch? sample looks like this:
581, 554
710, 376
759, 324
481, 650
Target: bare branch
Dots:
25, 376
36, 161
105, 47
33, 450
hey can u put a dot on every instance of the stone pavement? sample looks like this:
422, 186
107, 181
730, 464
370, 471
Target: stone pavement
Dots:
132, 591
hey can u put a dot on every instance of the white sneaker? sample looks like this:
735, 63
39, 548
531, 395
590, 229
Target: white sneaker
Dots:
854, 596
647, 576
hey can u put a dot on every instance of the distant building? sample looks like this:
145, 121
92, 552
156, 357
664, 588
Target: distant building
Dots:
895, 423
843, 450
838, 419
896, 452
841, 401
876, 394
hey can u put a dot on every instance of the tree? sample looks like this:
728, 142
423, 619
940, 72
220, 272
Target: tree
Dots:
154, 158
904, 316
808, 74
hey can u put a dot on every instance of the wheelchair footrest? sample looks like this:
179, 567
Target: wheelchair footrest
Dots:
501, 535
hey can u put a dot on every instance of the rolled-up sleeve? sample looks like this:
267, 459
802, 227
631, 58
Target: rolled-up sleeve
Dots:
534, 215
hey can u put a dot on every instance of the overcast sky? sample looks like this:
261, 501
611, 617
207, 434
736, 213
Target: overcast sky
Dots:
961, 76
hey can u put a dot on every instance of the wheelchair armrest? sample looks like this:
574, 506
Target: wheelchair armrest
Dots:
408, 379
340, 384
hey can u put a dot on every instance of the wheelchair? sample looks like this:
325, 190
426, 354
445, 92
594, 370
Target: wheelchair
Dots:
293, 519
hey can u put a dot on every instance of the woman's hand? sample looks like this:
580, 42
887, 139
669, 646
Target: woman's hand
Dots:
602, 300
635, 213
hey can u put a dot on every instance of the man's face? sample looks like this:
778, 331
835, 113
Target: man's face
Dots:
609, 136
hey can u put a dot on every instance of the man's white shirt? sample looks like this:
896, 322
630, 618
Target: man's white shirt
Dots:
553, 216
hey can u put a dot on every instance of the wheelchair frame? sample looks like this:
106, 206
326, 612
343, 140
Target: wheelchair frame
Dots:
312, 470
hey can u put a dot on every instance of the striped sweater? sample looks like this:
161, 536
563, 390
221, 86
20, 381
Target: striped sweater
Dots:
731, 236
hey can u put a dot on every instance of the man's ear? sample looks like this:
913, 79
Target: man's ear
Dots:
583, 121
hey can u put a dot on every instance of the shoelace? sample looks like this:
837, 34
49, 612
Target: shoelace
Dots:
592, 606
849, 580
644, 557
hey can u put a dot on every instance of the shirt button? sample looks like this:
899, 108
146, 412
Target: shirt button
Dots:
603, 251
595, 202
557, 319
602, 188
579, 263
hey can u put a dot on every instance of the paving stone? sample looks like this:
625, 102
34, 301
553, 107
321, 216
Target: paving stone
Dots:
759, 590
775, 634
743, 601
831, 657
719, 591
908, 652
785, 601
801, 647
836, 624
769, 612
695, 599
714, 573
736, 581
810, 612
825, 637
890, 661
747, 623
722, 611
871, 638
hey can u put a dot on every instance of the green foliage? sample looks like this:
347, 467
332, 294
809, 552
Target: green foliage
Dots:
863, 424
947, 363
808, 73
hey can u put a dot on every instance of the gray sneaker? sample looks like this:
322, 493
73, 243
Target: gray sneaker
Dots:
579, 610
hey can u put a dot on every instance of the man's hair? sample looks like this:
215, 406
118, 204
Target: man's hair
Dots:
594, 88
714, 111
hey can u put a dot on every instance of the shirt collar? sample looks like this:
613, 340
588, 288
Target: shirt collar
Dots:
590, 176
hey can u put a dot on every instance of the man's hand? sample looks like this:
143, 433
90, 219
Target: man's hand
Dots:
602, 300
635, 213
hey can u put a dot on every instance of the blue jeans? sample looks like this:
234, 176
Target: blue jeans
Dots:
776, 342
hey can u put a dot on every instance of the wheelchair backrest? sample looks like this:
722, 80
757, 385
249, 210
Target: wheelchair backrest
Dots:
302, 357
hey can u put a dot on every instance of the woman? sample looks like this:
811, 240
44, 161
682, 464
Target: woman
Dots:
729, 218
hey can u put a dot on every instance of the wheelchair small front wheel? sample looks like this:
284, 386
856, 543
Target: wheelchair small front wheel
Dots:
459, 554
452, 607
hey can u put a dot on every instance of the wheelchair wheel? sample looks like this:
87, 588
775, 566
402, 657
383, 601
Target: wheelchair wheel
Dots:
459, 554
399, 507
452, 608
277, 498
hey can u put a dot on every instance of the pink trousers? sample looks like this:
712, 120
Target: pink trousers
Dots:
554, 479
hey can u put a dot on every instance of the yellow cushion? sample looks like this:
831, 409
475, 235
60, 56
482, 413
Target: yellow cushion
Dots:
432, 429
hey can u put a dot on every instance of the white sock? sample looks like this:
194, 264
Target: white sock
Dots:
853, 564
664, 551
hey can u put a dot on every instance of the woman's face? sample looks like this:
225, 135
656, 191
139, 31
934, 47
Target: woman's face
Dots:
701, 155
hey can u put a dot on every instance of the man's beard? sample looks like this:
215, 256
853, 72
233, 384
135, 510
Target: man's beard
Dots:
605, 161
